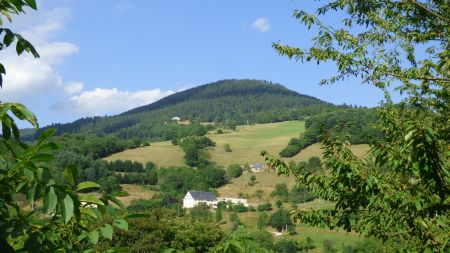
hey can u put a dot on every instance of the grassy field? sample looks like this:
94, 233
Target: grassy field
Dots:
163, 154
246, 143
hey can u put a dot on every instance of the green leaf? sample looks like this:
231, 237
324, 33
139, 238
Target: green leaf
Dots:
45, 135
8, 39
29, 174
116, 201
68, 209
22, 113
48, 146
20, 47
87, 185
93, 237
50, 200
31, 193
32, 4
2, 69
71, 175
121, 224
107, 231
88, 211
42, 157
137, 215
91, 200
43, 175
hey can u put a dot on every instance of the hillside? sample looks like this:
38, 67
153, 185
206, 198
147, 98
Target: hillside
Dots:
246, 144
230, 102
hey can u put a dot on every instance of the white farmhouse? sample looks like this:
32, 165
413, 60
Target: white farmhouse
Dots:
176, 118
193, 198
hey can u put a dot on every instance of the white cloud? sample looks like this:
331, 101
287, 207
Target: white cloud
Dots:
26, 77
100, 101
261, 24
73, 87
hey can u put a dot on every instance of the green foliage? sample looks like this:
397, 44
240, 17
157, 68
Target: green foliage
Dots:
328, 246
262, 238
162, 229
201, 212
280, 191
193, 148
285, 246
234, 171
264, 207
263, 221
300, 194
280, 220
358, 122
227, 147
175, 182
400, 192
218, 215
279, 203
252, 180
240, 241
64, 220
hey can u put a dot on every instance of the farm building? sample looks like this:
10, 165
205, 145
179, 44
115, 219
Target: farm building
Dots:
258, 167
194, 198
176, 118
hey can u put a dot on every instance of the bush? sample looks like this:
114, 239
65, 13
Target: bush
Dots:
234, 171
239, 208
264, 207
227, 148
285, 246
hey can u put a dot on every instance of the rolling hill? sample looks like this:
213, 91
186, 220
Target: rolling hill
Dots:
230, 102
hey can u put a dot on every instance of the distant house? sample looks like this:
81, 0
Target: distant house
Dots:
176, 118
194, 198
258, 167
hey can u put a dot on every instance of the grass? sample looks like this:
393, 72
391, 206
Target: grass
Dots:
266, 182
246, 144
135, 192
163, 154
248, 141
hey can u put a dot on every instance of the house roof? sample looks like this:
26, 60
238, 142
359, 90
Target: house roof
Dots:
258, 165
208, 196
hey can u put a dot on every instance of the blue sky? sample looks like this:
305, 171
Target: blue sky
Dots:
104, 57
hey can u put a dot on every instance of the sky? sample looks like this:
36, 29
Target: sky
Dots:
105, 57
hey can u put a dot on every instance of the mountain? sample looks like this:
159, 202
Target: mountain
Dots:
227, 101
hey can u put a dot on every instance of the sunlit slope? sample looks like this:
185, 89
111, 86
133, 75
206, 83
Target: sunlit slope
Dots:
163, 154
246, 144
248, 141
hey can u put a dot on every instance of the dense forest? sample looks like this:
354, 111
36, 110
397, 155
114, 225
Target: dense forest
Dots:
358, 122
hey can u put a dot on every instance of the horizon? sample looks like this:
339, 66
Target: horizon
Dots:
119, 55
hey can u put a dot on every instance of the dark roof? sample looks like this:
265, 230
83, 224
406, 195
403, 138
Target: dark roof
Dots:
208, 196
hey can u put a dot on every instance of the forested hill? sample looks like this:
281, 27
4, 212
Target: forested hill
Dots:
249, 92
231, 102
